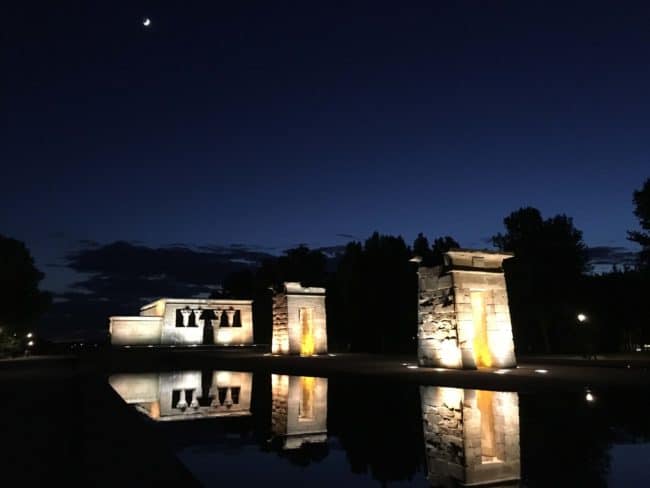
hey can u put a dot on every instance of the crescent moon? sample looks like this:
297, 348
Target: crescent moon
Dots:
146, 22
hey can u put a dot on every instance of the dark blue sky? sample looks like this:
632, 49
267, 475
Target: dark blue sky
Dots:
277, 123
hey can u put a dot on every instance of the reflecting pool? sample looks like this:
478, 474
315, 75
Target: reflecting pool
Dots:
240, 428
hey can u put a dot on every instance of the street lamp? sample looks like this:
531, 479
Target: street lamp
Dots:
582, 318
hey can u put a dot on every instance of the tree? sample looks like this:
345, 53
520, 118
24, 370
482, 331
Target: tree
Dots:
21, 302
440, 246
300, 264
642, 211
432, 255
375, 296
422, 249
543, 277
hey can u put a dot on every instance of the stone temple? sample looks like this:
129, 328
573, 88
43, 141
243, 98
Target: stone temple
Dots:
299, 320
463, 314
299, 410
186, 395
471, 437
186, 321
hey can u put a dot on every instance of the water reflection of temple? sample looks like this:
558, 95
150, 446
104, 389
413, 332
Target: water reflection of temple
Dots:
299, 410
471, 436
188, 394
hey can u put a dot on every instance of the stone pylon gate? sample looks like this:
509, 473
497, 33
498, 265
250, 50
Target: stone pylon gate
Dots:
299, 320
471, 437
463, 314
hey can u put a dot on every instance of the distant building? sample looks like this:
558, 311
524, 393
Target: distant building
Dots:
463, 314
299, 320
186, 321
299, 410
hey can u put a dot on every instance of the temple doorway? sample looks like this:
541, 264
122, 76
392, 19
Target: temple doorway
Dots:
306, 405
306, 319
482, 356
485, 403
209, 321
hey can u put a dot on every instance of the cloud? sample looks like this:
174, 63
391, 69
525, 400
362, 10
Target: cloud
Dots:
118, 278
600, 256
89, 243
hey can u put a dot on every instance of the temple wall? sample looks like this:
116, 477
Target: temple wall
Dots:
222, 391
317, 304
463, 314
499, 328
185, 380
182, 321
214, 310
437, 327
279, 402
299, 409
287, 335
135, 330
139, 388
280, 338
180, 395
454, 422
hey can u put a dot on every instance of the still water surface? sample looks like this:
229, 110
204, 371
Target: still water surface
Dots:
242, 429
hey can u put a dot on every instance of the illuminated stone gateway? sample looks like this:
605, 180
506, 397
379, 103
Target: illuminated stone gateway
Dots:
187, 395
464, 319
299, 410
299, 321
186, 322
471, 437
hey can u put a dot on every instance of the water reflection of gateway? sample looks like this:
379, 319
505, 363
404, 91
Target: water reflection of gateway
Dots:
299, 410
471, 436
181, 395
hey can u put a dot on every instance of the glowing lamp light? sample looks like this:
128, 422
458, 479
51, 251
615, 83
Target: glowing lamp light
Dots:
589, 396
541, 371
412, 366
30, 343
582, 318
30, 335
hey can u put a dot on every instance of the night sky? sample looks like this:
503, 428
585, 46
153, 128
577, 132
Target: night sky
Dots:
269, 124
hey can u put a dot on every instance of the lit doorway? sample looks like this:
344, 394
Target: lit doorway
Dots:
306, 405
306, 318
482, 356
485, 402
